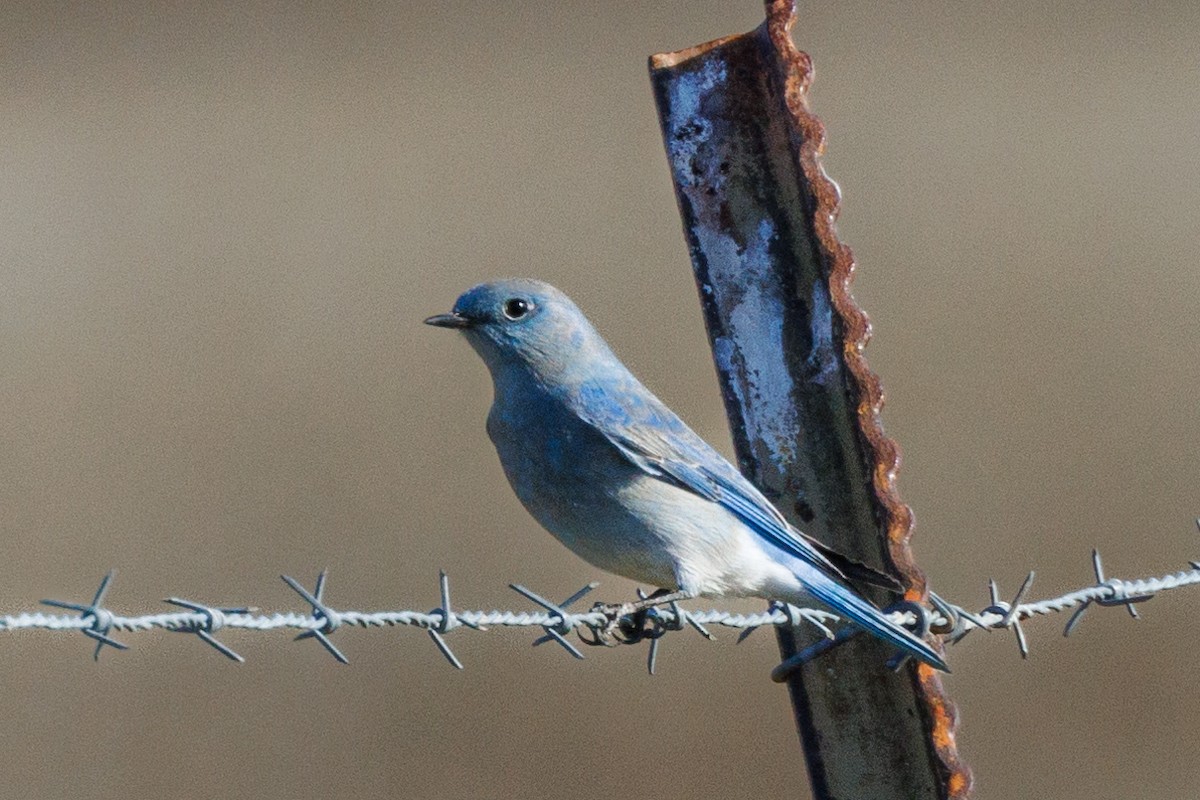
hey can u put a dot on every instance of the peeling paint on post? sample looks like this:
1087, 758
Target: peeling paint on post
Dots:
787, 338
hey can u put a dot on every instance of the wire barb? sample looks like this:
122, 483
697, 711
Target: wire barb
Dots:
1009, 612
329, 619
213, 619
1119, 594
565, 622
447, 621
102, 620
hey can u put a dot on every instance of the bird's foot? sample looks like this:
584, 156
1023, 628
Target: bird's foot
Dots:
630, 623
627, 623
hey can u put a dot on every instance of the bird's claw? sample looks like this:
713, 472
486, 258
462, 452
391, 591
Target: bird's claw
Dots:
626, 624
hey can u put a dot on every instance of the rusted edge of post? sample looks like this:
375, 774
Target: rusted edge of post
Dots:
796, 74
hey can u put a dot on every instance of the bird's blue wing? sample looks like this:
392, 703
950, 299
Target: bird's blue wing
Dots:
650, 436
657, 441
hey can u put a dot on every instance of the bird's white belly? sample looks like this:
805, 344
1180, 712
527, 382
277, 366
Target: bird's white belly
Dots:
712, 552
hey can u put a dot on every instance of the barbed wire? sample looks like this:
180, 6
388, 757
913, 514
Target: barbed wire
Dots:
599, 625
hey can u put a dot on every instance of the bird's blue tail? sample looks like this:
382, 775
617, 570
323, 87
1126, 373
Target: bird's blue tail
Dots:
845, 602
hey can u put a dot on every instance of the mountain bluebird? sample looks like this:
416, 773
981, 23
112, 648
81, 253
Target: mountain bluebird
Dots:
618, 478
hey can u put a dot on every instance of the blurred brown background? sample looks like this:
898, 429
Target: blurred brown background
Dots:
221, 227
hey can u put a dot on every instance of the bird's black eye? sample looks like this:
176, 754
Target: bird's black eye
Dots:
516, 308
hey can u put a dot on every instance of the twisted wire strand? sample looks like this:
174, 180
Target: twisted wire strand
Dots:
600, 624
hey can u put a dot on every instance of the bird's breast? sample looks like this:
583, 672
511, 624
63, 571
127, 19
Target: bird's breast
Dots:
551, 457
579, 488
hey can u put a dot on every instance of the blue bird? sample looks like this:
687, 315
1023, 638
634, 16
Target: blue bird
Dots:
618, 478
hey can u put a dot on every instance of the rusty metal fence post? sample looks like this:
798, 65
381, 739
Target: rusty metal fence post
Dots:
787, 338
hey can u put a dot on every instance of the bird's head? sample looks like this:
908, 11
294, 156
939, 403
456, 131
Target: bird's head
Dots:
523, 322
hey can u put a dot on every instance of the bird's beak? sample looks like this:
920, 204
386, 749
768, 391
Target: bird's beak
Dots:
451, 320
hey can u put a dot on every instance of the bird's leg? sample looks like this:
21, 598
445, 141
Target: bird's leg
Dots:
660, 597
657, 598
